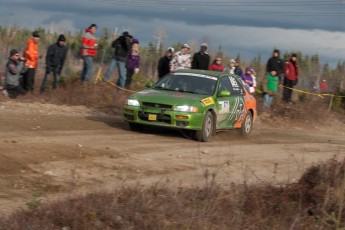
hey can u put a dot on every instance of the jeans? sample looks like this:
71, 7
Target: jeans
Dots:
267, 100
56, 74
86, 74
121, 66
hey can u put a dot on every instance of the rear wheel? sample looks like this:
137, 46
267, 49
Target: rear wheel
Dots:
247, 125
207, 131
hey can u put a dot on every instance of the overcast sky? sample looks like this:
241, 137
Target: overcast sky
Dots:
247, 27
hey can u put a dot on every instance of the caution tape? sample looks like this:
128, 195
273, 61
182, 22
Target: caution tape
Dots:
100, 78
322, 95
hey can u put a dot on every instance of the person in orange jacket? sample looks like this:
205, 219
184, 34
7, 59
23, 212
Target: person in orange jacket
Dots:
88, 52
31, 55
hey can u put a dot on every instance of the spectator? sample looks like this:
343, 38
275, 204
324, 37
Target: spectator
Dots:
14, 68
181, 59
55, 59
217, 65
164, 63
230, 68
238, 70
276, 63
88, 51
31, 56
269, 88
201, 59
133, 62
247, 78
291, 78
122, 49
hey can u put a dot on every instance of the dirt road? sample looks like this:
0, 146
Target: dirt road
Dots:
49, 151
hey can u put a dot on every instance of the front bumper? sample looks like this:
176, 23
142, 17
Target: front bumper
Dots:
163, 117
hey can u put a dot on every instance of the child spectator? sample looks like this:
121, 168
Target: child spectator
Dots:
247, 78
217, 65
269, 87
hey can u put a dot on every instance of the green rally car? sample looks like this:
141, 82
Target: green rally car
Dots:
196, 100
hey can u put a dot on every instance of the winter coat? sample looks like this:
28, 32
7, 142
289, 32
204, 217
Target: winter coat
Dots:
14, 69
238, 71
31, 54
180, 60
248, 79
291, 71
88, 44
275, 63
201, 61
218, 68
56, 55
133, 61
163, 66
122, 48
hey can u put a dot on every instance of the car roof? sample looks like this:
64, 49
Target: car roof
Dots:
203, 72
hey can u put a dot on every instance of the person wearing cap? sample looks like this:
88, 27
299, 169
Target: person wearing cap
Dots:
291, 78
55, 59
238, 71
88, 52
164, 63
201, 59
181, 59
217, 65
133, 62
122, 48
15, 67
230, 68
31, 55
276, 63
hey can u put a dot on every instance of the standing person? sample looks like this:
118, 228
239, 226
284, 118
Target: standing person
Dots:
14, 68
164, 63
276, 63
201, 59
230, 68
55, 59
269, 88
133, 62
181, 59
31, 56
247, 78
238, 70
291, 78
217, 65
122, 48
88, 51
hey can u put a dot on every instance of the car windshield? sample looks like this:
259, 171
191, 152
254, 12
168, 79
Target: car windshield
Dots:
188, 82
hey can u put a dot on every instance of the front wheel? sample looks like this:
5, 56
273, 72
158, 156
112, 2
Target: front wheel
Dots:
207, 131
247, 125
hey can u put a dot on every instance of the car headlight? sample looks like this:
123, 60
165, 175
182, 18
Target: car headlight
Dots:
133, 102
186, 108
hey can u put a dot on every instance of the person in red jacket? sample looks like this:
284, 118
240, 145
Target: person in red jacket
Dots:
31, 55
291, 78
88, 51
217, 65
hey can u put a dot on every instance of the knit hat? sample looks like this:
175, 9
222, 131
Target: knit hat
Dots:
36, 34
61, 38
249, 69
276, 51
93, 25
204, 44
125, 34
186, 46
135, 41
13, 52
172, 50
232, 61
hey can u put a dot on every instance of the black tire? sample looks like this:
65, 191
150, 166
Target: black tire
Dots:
135, 127
247, 125
208, 127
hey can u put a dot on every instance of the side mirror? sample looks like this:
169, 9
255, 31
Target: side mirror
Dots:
149, 84
224, 93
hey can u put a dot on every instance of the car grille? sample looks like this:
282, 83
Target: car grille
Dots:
156, 105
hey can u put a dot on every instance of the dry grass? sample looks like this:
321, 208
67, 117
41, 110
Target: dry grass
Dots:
315, 202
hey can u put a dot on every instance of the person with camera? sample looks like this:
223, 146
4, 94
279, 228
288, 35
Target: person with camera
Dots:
15, 67
55, 59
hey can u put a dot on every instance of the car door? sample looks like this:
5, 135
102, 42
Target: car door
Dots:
230, 106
